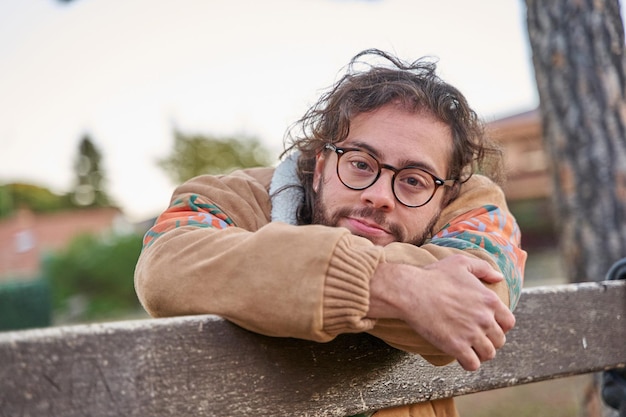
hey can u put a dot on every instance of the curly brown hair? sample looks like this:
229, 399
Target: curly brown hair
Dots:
367, 86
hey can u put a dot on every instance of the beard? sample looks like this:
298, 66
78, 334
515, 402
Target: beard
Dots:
323, 216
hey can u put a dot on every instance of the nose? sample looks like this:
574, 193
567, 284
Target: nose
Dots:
380, 194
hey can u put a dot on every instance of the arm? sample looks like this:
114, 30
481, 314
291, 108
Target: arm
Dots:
487, 232
221, 255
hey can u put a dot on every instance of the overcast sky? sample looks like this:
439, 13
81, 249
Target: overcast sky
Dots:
127, 71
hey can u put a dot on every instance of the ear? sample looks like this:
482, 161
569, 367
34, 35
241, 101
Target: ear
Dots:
320, 163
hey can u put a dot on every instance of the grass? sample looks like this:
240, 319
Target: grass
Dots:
555, 398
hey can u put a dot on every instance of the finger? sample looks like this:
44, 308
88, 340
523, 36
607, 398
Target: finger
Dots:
479, 268
484, 271
496, 337
469, 360
485, 351
505, 318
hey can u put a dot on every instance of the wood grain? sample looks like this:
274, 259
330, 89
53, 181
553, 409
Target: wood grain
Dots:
206, 366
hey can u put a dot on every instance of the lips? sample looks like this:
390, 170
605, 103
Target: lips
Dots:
363, 226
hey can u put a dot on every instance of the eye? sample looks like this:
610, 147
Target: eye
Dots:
360, 162
362, 165
414, 180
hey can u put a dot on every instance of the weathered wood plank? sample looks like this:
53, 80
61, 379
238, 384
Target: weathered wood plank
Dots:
205, 366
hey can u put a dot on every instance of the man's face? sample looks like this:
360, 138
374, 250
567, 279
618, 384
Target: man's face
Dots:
398, 138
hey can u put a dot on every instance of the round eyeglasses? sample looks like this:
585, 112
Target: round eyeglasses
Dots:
412, 186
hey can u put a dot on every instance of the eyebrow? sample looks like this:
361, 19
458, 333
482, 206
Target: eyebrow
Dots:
406, 163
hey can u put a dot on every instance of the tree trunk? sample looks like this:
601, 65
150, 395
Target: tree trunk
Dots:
578, 56
579, 62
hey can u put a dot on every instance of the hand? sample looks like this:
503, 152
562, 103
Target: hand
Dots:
447, 304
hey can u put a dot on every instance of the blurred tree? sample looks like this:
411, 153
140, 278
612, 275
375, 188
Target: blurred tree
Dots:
580, 69
97, 272
198, 154
36, 198
89, 190
6, 201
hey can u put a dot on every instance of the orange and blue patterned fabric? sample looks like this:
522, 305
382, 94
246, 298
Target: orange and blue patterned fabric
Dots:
190, 211
494, 231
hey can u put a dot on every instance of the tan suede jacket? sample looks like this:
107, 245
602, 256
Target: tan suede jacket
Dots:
215, 251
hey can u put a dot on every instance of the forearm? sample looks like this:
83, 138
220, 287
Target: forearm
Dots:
387, 297
427, 254
280, 280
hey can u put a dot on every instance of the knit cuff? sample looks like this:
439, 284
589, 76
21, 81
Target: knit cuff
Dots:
347, 293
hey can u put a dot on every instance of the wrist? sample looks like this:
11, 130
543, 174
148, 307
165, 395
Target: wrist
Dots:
390, 290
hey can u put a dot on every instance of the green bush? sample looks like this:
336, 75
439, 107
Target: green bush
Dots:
24, 304
99, 271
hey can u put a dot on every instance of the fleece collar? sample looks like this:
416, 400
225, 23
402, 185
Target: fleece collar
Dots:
285, 198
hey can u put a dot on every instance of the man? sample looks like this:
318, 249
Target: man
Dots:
374, 222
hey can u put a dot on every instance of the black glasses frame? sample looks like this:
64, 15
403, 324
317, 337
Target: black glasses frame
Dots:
439, 182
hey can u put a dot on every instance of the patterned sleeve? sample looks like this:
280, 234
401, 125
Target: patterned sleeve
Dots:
493, 230
188, 210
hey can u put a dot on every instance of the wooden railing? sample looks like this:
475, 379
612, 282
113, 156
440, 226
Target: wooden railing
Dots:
206, 366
